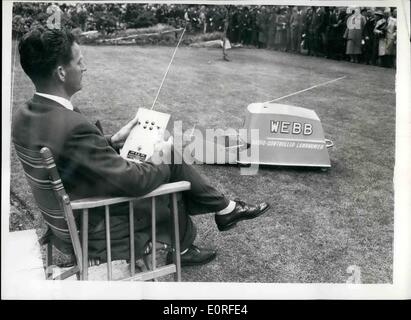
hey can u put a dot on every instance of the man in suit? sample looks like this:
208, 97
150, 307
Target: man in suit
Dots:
89, 163
317, 30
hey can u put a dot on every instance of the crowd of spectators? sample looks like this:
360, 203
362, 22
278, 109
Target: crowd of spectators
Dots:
360, 35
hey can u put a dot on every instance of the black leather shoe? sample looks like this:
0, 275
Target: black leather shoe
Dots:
194, 256
242, 211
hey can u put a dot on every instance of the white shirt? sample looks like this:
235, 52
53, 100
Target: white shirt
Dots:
60, 100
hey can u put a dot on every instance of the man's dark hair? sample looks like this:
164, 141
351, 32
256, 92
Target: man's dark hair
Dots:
42, 49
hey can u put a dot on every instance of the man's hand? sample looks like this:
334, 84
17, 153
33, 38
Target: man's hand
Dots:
120, 137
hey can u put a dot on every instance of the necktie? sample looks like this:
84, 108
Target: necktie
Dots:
75, 109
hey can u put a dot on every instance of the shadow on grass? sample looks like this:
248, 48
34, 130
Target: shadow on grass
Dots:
276, 168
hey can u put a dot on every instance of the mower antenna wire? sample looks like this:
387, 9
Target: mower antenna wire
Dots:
168, 68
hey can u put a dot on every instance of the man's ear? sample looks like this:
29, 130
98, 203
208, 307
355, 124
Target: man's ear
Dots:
61, 73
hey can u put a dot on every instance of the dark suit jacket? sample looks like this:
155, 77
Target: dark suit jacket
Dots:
89, 166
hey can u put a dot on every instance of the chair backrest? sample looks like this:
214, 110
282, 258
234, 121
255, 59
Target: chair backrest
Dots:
50, 195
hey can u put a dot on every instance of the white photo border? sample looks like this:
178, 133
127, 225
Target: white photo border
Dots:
399, 289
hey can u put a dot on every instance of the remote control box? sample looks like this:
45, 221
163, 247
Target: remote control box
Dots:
149, 129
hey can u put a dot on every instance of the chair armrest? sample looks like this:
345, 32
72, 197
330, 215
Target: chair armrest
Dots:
167, 188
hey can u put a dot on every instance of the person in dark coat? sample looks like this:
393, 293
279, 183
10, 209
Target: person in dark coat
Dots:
161, 14
245, 26
89, 164
211, 19
271, 27
295, 29
324, 31
368, 34
253, 27
234, 26
316, 30
331, 32
340, 27
308, 37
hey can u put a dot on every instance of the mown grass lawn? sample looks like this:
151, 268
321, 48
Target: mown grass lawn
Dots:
320, 222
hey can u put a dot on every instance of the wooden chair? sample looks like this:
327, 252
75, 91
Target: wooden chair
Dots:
57, 210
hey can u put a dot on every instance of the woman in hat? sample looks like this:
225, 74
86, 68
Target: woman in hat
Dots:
353, 34
280, 39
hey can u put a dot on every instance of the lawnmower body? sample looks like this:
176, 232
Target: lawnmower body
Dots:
288, 136
273, 134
